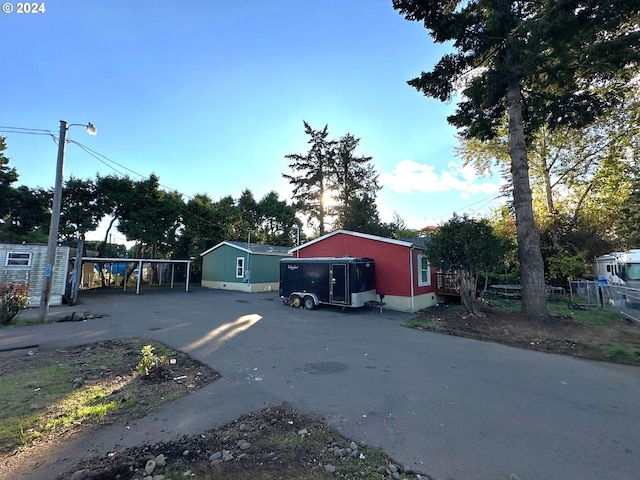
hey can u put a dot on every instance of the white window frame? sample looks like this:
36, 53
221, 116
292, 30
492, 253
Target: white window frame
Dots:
18, 262
421, 271
240, 267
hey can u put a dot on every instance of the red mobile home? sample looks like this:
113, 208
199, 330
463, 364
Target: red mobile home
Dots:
402, 272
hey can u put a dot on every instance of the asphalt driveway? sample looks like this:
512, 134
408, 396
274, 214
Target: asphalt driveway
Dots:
449, 407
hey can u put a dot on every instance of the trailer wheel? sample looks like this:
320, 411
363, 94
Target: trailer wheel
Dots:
309, 304
295, 301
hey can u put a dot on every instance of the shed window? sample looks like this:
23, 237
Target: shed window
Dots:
240, 267
18, 259
424, 271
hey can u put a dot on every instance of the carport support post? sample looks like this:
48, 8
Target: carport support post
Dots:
139, 277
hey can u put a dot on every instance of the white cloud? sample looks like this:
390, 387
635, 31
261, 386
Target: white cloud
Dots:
410, 176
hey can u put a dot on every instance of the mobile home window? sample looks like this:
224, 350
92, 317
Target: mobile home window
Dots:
424, 271
239, 267
18, 259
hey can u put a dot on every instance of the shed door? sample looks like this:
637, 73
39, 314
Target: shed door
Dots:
338, 287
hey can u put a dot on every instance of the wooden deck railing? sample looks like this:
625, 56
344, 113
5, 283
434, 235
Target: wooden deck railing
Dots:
447, 284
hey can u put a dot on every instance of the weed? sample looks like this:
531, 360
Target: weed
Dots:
149, 360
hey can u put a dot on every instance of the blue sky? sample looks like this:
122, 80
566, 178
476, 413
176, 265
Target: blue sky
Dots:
211, 95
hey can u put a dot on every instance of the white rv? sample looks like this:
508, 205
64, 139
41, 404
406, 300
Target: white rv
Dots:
619, 268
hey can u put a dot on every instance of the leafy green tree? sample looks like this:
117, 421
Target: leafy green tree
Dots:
628, 223
82, 208
115, 194
401, 229
311, 176
152, 217
29, 216
199, 231
469, 248
8, 176
533, 61
579, 178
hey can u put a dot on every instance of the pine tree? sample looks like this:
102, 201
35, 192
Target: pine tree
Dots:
533, 61
355, 182
311, 175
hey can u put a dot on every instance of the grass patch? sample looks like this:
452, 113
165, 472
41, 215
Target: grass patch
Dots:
24, 395
621, 354
415, 323
47, 393
38, 401
80, 405
586, 315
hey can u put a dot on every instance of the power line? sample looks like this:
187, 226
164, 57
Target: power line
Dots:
105, 161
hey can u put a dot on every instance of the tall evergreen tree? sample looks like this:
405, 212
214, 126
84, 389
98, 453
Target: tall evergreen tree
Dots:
332, 183
248, 210
534, 62
310, 175
275, 220
354, 182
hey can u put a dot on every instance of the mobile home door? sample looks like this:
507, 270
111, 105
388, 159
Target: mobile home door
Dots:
338, 287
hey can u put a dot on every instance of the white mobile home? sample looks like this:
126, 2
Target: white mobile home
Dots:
27, 263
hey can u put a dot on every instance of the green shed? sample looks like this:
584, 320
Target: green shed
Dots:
242, 266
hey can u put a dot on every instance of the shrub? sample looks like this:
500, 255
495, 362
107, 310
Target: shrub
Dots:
13, 298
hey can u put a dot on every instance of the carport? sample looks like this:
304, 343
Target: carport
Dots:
141, 262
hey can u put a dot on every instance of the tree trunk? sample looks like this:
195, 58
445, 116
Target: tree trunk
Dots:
534, 295
103, 244
468, 292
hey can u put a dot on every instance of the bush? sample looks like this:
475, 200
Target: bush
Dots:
13, 298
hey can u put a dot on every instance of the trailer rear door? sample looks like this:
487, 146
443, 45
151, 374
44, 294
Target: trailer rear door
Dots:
338, 288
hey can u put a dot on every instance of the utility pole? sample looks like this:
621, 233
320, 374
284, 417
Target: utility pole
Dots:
53, 227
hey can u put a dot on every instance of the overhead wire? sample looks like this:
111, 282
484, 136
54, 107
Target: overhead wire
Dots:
105, 161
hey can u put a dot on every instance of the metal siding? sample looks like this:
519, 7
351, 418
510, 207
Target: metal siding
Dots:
416, 266
265, 268
219, 265
34, 274
392, 261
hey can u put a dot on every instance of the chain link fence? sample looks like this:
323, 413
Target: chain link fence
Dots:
627, 300
587, 294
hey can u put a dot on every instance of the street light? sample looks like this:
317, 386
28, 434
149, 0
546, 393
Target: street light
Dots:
55, 217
